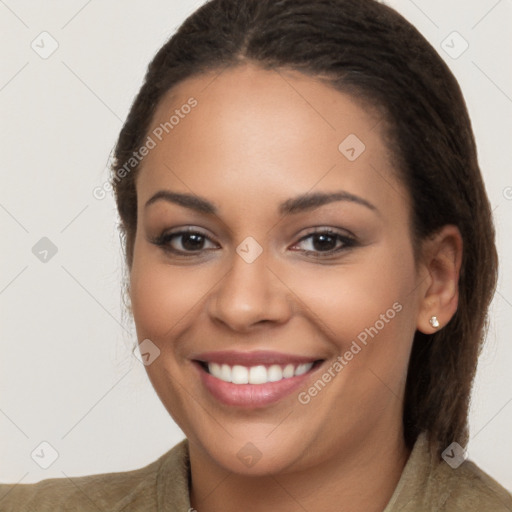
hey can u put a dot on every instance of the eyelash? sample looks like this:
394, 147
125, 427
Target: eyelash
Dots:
164, 240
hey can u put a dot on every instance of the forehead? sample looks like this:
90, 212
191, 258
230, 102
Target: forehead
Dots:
246, 133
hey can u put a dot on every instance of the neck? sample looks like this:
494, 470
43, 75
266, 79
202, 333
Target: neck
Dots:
354, 480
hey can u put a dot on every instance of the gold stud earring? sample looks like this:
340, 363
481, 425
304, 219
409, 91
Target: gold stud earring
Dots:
434, 322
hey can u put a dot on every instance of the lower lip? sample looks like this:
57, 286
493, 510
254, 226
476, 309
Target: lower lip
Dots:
251, 395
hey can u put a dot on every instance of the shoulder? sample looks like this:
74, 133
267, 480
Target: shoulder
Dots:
468, 488
432, 485
106, 491
94, 492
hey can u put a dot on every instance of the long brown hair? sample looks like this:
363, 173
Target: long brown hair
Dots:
368, 50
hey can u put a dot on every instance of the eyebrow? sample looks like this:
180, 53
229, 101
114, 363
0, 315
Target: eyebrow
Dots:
302, 203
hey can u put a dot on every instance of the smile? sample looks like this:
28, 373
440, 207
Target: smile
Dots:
253, 379
260, 374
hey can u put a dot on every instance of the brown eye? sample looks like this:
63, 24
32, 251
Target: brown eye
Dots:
185, 242
326, 242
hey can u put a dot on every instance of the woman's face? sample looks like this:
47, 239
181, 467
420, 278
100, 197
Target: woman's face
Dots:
321, 325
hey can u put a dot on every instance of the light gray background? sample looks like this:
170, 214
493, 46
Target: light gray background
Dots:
67, 375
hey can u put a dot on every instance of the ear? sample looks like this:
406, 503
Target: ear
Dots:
441, 258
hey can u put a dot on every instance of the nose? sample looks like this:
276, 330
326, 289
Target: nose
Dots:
250, 294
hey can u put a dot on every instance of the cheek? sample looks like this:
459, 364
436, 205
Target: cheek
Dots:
163, 297
367, 301
351, 294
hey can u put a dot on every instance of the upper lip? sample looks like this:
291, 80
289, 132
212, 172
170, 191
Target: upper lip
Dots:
261, 357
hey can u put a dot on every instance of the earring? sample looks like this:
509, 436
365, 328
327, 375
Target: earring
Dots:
434, 322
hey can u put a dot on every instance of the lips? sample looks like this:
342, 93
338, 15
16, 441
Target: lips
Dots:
253, 379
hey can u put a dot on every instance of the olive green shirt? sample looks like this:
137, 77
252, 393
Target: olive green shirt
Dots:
163, 486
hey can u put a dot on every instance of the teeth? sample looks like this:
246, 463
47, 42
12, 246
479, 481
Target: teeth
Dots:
260, 374
240, 375
225, 373
214, 368
274, 373
301, 369
288, 371
257, 375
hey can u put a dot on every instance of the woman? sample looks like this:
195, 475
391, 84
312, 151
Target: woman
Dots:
311, 259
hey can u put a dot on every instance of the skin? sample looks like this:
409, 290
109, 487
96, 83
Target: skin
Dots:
255, 139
